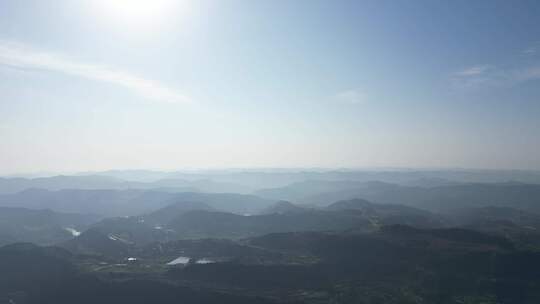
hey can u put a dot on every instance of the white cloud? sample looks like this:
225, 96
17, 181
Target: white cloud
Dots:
474, 70
532, 50
353, 96
497, 75
527, 73
488, 75
19, 56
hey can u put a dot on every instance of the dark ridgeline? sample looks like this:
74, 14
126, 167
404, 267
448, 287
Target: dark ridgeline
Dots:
331, 242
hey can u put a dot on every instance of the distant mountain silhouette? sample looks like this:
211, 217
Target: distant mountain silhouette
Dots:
128, 202
441, 198
43, 227
202, 224
354, 204
163, 216
283, 207
96, 242
96, 182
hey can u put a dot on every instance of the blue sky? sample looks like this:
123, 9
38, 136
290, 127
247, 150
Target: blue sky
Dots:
86, 85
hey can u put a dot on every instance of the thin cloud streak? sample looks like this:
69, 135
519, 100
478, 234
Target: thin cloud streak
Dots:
495, 76
353, 96
474, 70
532, 50
18, 56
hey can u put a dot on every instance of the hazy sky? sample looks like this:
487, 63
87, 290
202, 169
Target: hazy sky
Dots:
103, 84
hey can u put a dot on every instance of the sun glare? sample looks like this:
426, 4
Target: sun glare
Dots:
140, 13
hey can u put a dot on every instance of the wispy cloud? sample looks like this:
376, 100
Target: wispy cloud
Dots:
532, 50
527, 74
22, 57
499, 75
478, 75
474, 70
353, 96
489, 75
